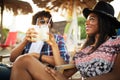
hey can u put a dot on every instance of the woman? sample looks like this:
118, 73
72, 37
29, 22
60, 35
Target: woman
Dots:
30, 65
97, 55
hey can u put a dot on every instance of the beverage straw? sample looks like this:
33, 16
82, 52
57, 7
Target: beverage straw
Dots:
49, 20
37, 22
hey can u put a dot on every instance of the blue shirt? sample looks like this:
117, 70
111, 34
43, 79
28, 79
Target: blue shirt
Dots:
118, 32
47, 50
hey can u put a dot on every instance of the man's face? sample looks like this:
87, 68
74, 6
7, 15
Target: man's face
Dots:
43, 21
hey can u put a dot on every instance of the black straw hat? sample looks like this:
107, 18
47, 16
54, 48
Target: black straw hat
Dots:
103, 8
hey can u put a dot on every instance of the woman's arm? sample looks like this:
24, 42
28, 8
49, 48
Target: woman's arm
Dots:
69, 72
58, 76
107, 76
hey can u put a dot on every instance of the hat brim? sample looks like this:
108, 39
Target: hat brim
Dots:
87, 11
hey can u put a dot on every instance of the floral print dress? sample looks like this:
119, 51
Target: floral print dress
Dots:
100, 61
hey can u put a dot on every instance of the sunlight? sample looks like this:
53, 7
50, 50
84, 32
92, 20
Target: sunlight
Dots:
7, 19
115, 4
23, 22
16, 23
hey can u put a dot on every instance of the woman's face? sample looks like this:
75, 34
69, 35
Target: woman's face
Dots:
92, 24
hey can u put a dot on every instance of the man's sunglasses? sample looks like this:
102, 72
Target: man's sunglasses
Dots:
42, 21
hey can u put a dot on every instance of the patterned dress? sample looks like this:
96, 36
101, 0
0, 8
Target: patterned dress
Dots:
100, 61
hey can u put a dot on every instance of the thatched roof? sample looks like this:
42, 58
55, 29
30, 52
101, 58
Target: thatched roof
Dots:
15, 5
66, 4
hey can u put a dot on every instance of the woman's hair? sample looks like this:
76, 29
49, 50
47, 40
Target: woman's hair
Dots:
106, 29
42, 14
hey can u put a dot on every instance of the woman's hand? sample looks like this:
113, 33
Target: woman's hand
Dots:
31, 34
55, 74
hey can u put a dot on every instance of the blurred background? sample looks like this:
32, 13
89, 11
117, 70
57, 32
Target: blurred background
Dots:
16, 15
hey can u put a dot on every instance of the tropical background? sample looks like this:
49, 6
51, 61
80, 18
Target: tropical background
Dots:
16, 15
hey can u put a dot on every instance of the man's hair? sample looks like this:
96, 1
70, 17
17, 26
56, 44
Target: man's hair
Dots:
42, 14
